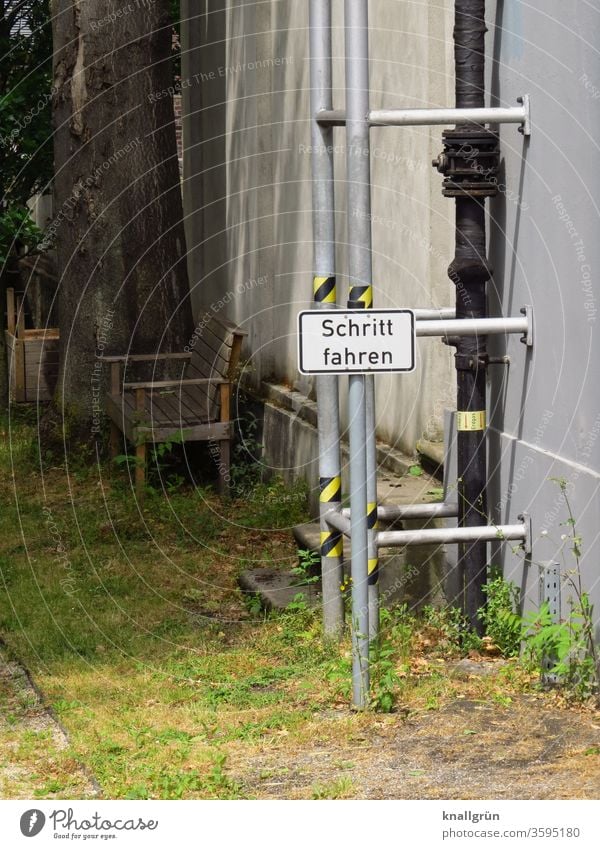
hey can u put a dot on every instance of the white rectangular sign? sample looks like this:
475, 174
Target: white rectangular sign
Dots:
356, 341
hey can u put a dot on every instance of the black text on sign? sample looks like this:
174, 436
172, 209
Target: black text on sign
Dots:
356, 341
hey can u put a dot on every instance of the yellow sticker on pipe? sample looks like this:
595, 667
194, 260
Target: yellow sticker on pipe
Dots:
471, 421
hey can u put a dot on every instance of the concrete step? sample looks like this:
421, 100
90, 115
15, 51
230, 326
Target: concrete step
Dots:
308, 536
391, 490
412, 575
432, 456
278, 589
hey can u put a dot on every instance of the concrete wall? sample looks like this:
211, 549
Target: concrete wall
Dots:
248, 199
545, 410
248, 190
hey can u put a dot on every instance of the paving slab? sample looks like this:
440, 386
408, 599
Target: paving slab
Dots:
35, 757
278, 589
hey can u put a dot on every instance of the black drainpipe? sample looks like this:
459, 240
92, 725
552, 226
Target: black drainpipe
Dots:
470, 165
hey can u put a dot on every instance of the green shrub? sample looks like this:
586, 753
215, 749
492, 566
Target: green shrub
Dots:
500, 615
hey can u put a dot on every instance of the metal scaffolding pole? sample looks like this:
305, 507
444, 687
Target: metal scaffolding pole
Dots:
432, 117
373, 554
393, 512
444, 536
361, 295
466, 326
324, 295
438, 536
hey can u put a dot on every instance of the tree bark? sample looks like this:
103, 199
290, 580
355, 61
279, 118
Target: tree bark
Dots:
118, 218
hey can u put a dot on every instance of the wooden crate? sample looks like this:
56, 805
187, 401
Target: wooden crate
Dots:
32, 356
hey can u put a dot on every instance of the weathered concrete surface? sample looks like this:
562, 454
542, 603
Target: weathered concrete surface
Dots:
291, 446
248, 191
415, 575
278, 589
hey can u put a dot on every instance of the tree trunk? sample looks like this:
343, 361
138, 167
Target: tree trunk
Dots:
6, 278
118, 219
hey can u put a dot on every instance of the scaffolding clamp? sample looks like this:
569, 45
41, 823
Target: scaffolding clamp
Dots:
527, 543
527, 338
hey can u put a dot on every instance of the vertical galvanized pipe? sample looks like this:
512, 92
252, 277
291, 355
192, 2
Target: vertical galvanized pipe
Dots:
373, 556
361, 295
359, 542
324, 295
470, 273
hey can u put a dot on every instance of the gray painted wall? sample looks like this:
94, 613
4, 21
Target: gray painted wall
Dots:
545, 411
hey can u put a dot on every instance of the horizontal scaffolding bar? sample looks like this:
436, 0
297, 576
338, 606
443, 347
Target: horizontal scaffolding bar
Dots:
435, 315
478, 327
338, 522
430, 117
331, 117
429, 314
392, 512
441, 536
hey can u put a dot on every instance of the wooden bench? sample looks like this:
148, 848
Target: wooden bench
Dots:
194, 407
32, 356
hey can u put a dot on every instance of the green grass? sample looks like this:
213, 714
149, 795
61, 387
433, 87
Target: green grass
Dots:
341, 788
132, 622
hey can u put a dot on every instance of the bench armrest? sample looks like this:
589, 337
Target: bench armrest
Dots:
143, 358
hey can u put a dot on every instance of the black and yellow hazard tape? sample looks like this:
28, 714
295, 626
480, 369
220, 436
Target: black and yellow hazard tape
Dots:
373, 571
362, 295
372, 516
373, 563
331, 490
331, 544
324, 290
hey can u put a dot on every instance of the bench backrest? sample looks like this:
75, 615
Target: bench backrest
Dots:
216, 348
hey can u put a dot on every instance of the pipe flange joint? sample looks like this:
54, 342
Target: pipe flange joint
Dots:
465, 362
469, 162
